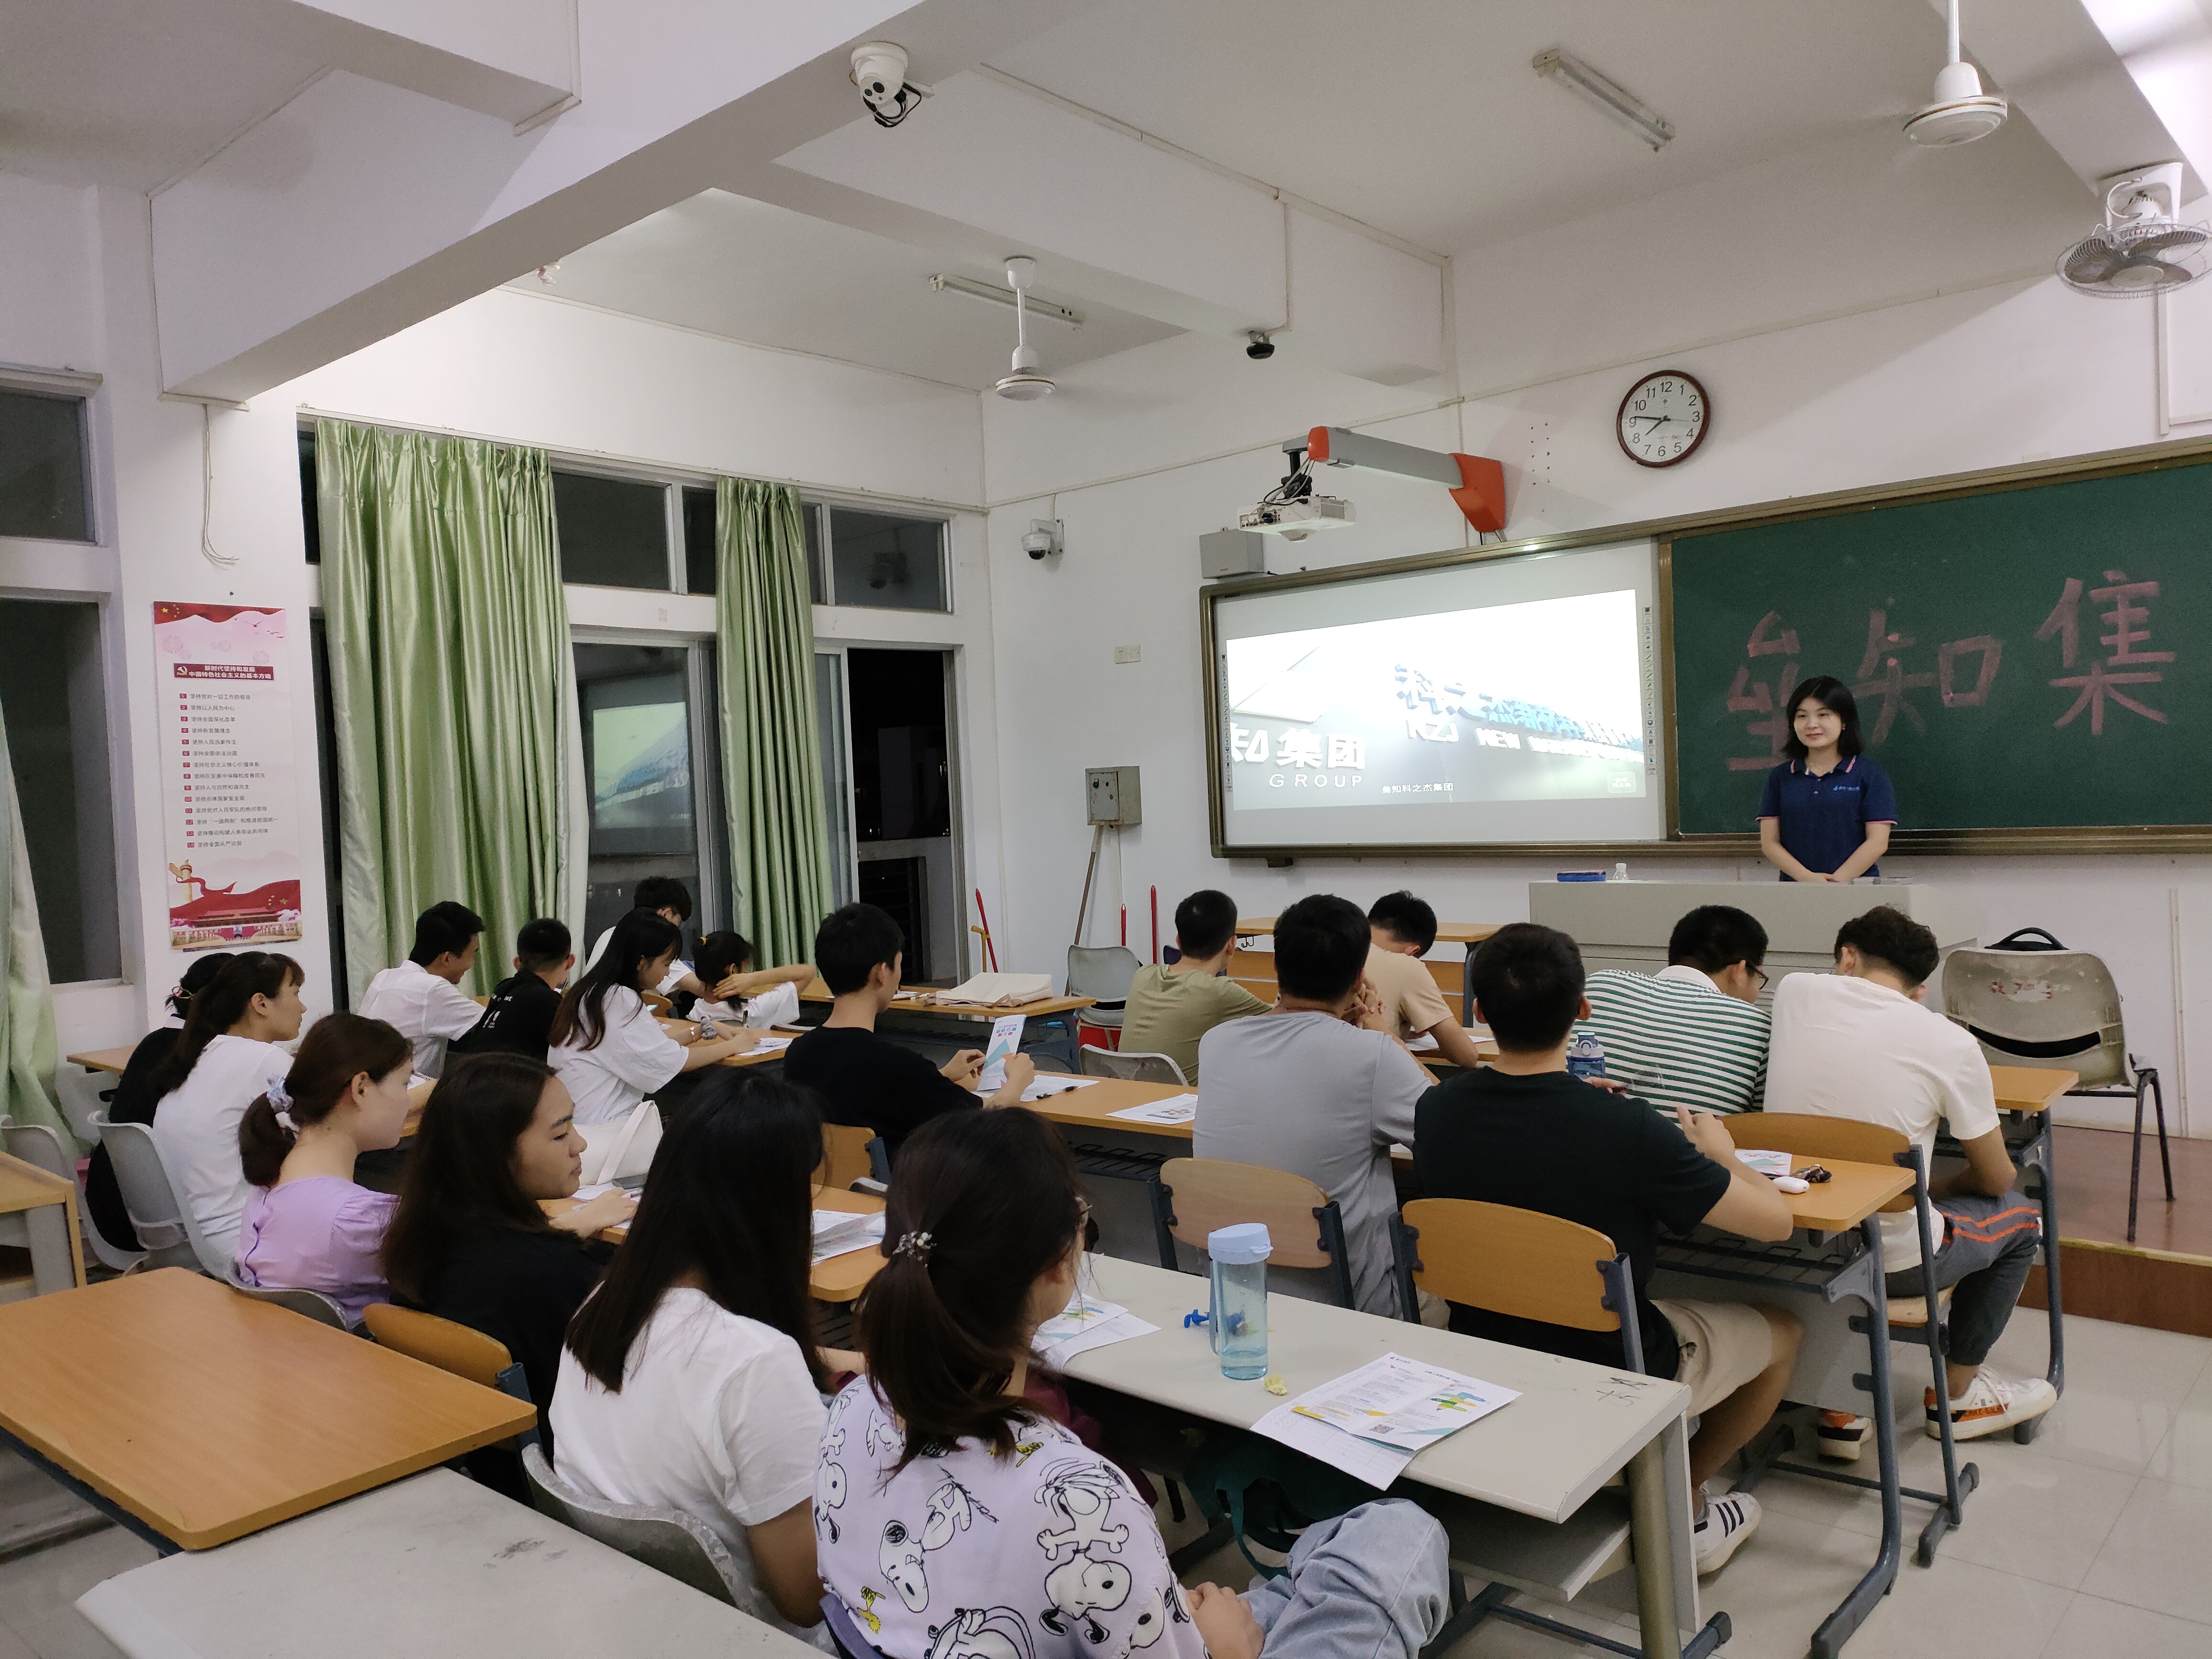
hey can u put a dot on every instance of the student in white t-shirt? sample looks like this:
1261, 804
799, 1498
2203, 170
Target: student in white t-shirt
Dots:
224, 1058
421, 999
691, 1380
740, 995
1859, 1043
608, 1047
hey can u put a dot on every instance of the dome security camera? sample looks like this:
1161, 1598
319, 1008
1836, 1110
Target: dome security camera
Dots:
1262, 348
879, 70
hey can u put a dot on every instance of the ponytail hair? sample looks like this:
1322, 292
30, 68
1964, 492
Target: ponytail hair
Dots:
196, 978
221, 1005
983, 1205
338, 1049
640, 936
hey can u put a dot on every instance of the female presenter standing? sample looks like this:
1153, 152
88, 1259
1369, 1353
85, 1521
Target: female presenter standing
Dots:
1828, 810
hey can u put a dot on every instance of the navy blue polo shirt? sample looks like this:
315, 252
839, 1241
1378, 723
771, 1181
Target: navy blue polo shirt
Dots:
1824, 819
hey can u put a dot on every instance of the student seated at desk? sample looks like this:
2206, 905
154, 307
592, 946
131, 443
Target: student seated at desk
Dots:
133, 1100
935, 1472
422, 998
1523, 1132
469, 1241
866, 1079
737, 993
669, 899
1860, 1043
308, 1226
691, 1380
1693, 1034
1309, 1090
609, 1047
1402, 928
518, 1017
1171, 1006
225, 1056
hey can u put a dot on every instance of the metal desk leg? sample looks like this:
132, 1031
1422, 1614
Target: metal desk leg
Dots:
1837, 1629
1652, 1528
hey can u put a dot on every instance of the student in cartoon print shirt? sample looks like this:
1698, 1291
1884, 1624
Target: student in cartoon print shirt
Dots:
1827, 810
953, 1521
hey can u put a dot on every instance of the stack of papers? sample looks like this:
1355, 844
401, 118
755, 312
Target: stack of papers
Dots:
999, 990
769, 1045
1175, 1109
1087, 1323
1372, 1422
1766, 1164
837, 1232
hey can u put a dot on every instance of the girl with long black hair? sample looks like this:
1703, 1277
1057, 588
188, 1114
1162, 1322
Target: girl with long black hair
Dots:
608, 1047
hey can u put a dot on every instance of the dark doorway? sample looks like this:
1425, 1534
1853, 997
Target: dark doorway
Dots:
902, 802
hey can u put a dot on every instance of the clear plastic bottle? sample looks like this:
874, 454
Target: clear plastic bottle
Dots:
1238, 1323
1586, 1056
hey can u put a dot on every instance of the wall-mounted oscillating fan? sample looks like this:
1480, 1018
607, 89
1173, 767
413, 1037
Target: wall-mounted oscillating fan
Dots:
2142, 247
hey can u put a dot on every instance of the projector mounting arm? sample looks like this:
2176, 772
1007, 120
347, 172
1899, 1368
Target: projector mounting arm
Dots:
1477, 484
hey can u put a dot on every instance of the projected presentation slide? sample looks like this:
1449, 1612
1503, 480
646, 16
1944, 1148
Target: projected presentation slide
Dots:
640, 766
1506, 701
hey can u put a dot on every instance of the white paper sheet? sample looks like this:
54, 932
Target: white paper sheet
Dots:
769, 1045
1087, 1323
1005, 1039
1175, 1109
837, 1232
1364, 1459
1049, 1084
1765, 1163
1371, 1423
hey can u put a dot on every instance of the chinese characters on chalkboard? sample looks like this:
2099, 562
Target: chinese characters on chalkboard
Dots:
1884, 682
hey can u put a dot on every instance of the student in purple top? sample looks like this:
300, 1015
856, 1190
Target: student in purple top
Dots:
308, 1226
1827, 810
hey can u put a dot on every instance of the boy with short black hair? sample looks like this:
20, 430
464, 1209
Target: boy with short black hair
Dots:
1311, 1089
1524, 1131
669, 899
421, 999
1693, 1034
1860, 1043
1401, 929
518, 1018
870, 1080
1172, 1005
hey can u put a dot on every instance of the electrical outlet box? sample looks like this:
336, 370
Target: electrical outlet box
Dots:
1113, 797
1123, 654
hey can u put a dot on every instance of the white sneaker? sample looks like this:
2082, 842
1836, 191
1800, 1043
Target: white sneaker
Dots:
1728, 1521
1990, 1404
1844, 1437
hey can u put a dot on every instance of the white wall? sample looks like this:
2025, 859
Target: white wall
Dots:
1984, 378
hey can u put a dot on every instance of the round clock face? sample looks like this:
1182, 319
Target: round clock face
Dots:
1663, 420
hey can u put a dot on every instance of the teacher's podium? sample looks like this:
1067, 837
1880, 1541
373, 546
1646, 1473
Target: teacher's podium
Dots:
1625, 924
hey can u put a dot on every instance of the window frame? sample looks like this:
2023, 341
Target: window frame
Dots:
80, 389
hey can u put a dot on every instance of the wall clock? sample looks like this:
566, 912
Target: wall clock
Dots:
1663, 419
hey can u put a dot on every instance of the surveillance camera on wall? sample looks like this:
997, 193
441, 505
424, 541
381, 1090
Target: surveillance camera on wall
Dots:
880, 71
1043, 538
1262, 348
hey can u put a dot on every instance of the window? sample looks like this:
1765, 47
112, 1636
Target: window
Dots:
42, 467
884, 561
699, 552
311, 511
614, 532
54, 700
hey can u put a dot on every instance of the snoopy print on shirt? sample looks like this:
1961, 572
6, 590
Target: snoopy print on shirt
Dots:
1046, 1553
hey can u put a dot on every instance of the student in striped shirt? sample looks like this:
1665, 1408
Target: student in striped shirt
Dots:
1693, 1034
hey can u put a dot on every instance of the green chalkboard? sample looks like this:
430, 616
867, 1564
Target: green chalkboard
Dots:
2030, 657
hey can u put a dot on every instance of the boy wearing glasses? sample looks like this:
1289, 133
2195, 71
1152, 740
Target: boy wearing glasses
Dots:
1693, 1034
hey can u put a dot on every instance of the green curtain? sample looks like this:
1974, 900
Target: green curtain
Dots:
453, 687
771, 752
26, 1011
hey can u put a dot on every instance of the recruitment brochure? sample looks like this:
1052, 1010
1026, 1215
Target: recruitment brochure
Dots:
1372, 1422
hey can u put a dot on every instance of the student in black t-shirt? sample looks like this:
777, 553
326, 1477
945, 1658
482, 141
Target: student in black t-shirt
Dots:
518, 1018
870, 1080
1524, 1131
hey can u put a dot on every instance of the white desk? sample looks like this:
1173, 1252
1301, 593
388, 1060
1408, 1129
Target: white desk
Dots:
1546, 1455
434, 1564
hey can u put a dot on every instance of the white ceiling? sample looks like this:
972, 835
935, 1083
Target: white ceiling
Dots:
747, 270
1422, 117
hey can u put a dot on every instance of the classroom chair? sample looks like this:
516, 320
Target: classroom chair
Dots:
668, 1540
1812, 1137
170, 1232
308, 1305
37, 1144
657, 1003
845, 1631
2071, 1022
83, 1095
1132, 1066
1526, 1264
1193, 1196
1102, 972
451, 1346
851, 1153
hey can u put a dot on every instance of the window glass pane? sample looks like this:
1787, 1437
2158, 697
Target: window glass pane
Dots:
635, 700
829, 723
310, 513
52, 695
887, 562
42, 467
818, 567
614, 532
699, 556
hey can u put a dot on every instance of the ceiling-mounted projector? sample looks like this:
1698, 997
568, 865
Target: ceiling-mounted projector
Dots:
1291, 509
1962, 111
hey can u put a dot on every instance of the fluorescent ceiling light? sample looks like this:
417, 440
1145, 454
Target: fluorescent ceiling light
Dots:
943, 284
1614, 102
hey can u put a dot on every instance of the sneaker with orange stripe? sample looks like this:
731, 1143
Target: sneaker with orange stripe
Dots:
1992, 1403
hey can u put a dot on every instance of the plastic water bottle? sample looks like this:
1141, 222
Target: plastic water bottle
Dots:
1238, 1324
1586, 1056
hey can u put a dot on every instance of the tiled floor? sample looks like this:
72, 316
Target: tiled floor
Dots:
2090, 1544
